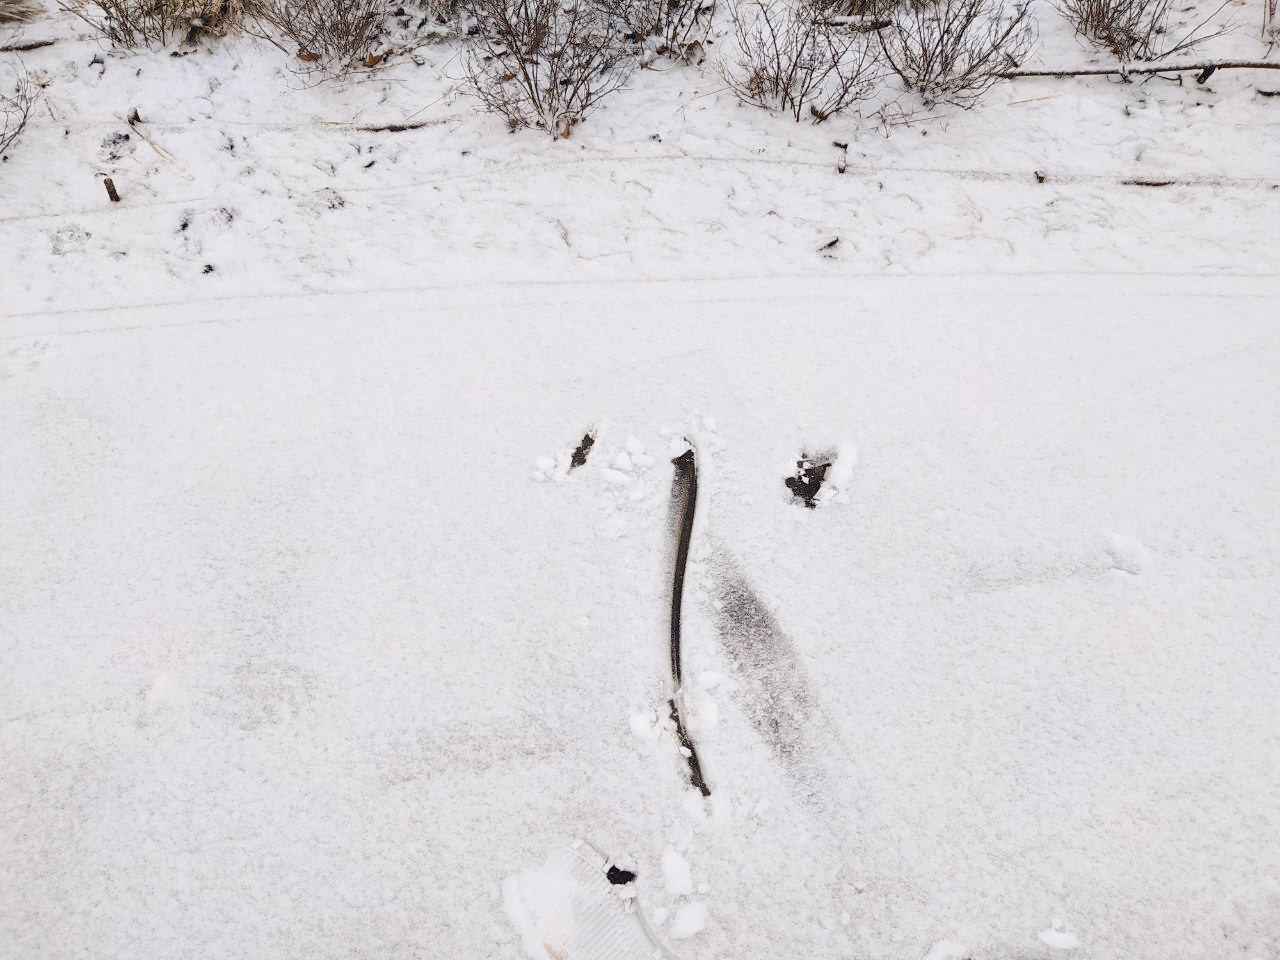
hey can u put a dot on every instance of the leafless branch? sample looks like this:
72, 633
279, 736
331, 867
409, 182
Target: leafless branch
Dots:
544, 63
15, 110
790, 58
954, 51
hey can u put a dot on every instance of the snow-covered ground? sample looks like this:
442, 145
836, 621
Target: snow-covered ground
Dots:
306, 642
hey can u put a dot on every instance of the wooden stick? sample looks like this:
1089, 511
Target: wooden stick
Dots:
111, 189
1206, 68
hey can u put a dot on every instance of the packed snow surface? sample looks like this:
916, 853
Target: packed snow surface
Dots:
310, 632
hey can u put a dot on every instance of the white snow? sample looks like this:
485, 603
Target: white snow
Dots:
947, 950
689, 921
1059, 939
675, 874
297, 660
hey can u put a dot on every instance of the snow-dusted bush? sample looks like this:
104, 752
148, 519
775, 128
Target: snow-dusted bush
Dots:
676, 27
544, 63
15, 111
1129, 29
18, 11
156, 23
329, 33
954, 51
790, 57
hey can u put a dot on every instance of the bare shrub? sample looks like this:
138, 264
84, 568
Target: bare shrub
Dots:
18, 11
676, 27
790, 58
954, 51
865, 10
544, 63
15, 111
1131, 29
156, 23
327, 33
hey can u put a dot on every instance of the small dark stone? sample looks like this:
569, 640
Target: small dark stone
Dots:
584, 449
619, 877
807, 482
208, 268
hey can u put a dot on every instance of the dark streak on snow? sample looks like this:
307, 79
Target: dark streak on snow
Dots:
684, 497
776, 697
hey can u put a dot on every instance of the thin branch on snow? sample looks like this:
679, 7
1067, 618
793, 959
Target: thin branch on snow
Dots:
1208, 68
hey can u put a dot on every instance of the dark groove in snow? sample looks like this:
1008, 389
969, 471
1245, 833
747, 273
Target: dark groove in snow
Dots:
684, 497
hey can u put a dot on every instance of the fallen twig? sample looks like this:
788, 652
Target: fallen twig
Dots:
22, 46
1206, 68
394, 127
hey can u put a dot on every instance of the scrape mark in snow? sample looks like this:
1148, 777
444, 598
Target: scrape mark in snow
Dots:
775, 695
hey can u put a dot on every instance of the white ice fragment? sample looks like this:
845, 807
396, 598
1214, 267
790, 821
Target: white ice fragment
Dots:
1059, 939
947, 950
621, 461
675, 874
689, 921
634, 446
838, 481
614, 476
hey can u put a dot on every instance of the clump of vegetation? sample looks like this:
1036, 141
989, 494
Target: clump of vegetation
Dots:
328, 33
676, 28
156, 23
544, 63
1131, 29
954, 51
792, 58
18, 11
15, 110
